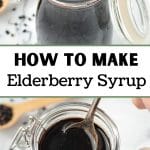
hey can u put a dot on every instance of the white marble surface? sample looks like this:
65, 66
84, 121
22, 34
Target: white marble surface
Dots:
9, 18
133, 124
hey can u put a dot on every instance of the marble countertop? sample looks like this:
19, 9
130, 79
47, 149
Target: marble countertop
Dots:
133, 124
18, 23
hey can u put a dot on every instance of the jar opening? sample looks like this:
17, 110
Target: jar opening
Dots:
55, 137
75, 110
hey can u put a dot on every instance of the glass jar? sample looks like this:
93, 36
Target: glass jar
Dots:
92, 21
28, 137
73, 21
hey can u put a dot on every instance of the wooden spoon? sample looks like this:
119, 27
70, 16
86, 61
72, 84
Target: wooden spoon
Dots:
4, 5
18, 109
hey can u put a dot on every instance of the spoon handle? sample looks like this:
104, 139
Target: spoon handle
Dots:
90, 114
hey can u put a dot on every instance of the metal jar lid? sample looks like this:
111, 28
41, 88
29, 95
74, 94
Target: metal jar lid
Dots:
132, 18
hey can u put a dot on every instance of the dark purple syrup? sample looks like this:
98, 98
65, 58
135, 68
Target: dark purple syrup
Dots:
73, 139
90, 25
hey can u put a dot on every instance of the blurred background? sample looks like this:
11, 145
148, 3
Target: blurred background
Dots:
133, 124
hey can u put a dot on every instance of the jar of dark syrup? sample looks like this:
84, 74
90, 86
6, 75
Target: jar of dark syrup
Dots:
74, 22
92, 21
45, 132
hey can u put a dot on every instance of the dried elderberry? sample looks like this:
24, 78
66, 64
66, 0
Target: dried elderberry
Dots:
6, 114
1, 3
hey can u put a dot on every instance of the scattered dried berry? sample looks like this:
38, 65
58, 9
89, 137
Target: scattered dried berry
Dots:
22, 17
1, 3
7, 32
29, 19
25, 122
24, 31
43, 108
12, 35
25, 25
5, 114
14, 9
16, 24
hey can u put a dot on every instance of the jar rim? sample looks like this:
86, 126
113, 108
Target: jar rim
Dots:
74, 5
124, 20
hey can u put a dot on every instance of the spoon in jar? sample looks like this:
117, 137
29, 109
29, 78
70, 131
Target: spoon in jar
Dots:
88, 124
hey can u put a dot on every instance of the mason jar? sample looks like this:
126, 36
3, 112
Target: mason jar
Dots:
93, 21
73, 21
29, 136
